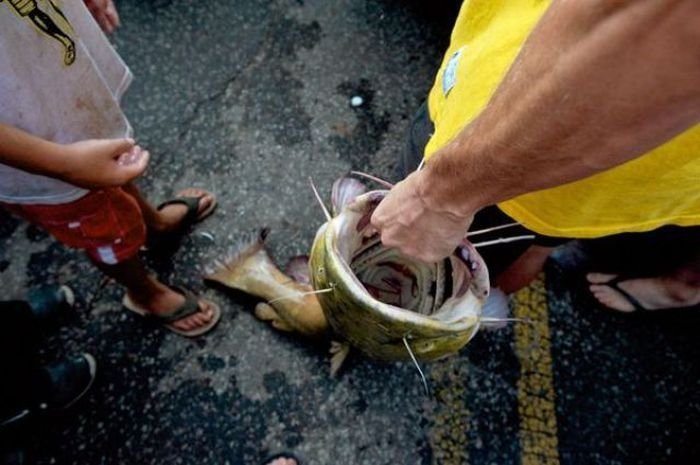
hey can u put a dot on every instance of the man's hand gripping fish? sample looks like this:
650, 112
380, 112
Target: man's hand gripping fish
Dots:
355, 290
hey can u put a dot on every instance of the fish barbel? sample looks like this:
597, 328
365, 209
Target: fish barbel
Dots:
361, 292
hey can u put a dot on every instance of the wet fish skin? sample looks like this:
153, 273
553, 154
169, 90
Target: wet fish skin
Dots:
376, 328
289, 307
343, 308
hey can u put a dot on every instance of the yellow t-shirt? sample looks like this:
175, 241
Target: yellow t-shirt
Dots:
658, 188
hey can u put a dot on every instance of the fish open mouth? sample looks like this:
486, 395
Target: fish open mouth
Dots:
381, 296
397, 280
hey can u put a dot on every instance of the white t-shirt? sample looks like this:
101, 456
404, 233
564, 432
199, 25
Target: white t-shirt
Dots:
61, 80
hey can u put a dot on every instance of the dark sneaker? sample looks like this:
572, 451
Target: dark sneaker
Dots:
69, 381
49, 302
14, 456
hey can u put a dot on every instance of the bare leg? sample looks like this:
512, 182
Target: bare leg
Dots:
169, 217
523, 270
148, 292
680, 288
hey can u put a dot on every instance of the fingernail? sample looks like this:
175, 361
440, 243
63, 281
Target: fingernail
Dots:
129, 158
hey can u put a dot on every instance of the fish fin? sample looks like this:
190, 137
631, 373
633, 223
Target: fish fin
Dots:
245, 247
344, 191
298, 269
339, 352
267, 312
281, 325
494, 312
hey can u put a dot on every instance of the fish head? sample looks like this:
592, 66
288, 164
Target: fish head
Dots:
377, 299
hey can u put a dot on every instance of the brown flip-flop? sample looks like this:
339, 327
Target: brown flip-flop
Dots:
193, 215
189, 307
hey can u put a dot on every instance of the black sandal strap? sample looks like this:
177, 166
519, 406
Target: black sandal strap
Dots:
614, 284
188, 308
192, 205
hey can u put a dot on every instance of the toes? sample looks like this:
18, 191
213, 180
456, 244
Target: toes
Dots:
207, 198
610, 298
191, 192
600, 277
201, 318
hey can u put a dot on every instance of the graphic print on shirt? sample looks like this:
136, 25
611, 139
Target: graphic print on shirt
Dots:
49, 20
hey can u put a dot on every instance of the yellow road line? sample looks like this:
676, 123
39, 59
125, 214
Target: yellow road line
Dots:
449, 433
536, 398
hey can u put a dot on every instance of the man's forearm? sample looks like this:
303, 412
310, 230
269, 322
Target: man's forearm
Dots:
598, 83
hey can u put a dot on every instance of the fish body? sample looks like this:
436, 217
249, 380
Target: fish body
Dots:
362, 293
287, 303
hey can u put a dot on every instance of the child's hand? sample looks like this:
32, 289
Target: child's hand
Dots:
105, 13
103, 162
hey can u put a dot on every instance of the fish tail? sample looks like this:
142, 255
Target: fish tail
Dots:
224, 269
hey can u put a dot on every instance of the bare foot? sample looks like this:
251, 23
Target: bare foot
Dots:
650, 293
523, 270
170, 217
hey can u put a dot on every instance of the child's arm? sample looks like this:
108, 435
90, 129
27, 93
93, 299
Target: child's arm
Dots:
90, 163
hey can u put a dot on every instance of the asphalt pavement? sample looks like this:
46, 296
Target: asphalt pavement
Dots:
250, 99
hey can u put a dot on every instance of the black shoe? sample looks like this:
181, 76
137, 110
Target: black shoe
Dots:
69, 381
14, 456
49, 302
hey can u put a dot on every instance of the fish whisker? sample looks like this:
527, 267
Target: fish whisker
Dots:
504, 240
320, 202
503, 320
495, 228
415, 362
294, 296
384, 183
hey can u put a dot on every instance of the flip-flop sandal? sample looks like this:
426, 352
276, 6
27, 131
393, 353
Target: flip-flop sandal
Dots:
189, 307
282, 455
193, 215
614, 285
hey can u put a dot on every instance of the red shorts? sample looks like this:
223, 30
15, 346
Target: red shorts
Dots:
106, 223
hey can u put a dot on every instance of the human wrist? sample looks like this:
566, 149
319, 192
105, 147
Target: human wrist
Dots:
448, 188
62, 161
